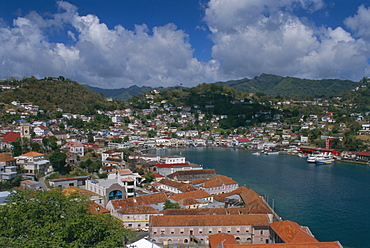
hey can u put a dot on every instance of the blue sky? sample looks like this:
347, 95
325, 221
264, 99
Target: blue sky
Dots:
118, 43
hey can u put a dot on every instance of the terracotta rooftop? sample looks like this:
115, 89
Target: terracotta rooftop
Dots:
31, 154
221, 238
253, 202
209, 220
5, 157
197, 194
216, 181
144, 200
10, 137
285, 245
192, 172
138, 210
206, 211
188, 201
291, 232
184, 187
96, 208
125, 172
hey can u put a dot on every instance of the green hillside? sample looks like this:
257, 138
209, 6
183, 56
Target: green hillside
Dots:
52, 93
273, 85
122, 94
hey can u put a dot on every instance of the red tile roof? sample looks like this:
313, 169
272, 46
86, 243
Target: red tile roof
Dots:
31, 154
285, 245
221, 238
10, 137
208, 220
5, 157
144, 200
197, 194
291, 232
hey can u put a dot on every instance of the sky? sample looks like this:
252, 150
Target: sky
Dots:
118, 43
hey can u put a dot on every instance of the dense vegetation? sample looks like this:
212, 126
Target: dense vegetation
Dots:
273, 85
52, 93
51, 219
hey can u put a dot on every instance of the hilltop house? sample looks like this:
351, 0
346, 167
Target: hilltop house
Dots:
34, 164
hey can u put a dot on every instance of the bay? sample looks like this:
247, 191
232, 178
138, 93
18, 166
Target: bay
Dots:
332, 200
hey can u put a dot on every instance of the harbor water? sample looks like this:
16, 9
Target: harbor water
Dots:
332, 200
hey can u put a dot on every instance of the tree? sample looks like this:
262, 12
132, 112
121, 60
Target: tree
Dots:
58, 160
170, 205
49, 218
21, 145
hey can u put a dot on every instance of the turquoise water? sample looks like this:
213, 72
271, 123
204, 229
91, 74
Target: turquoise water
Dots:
332, 200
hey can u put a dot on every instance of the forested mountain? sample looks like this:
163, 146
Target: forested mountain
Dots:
52, 93
273, 85
122, 94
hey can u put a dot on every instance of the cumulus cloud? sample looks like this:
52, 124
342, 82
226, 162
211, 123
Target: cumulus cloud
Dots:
360, 23
249, 38
100, 56
264, 36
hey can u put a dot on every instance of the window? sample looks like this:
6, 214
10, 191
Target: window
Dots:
115, 195
130, 225
154, 232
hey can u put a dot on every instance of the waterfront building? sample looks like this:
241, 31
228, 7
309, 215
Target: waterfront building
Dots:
191, 175
172, 186
216, 185
194, 229
166, 169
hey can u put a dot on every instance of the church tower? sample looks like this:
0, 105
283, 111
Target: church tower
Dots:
25, 130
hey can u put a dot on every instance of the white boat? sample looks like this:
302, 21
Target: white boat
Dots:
256, 153
271, 152
324, 160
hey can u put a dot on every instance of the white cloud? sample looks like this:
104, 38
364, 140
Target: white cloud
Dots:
100, 56
360, 23
264, 36
250, 37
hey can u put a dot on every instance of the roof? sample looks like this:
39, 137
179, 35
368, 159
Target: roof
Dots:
138, 210
184, 187
197, 194
80, 191
95, 208
253, 202
5, 157
206, 211
224, 238
291, 232
31, 154
124, 172
144, 200
10, 137
171, 165
217, 181
143, 243
208, 220
285, 245
192, 172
